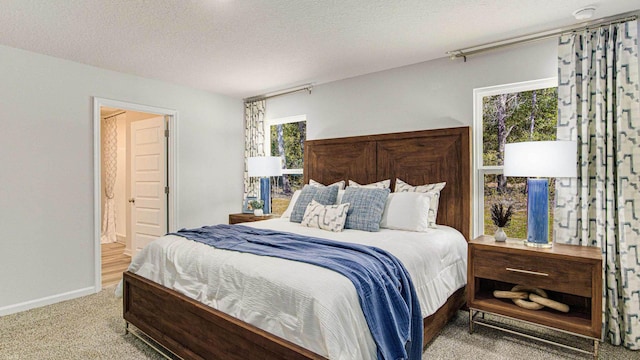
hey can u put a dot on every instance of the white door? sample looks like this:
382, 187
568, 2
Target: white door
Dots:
148, 180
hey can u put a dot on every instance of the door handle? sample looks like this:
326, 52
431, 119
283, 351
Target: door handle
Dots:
132, 200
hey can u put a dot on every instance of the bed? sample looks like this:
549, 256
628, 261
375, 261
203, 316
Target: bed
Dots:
191, 329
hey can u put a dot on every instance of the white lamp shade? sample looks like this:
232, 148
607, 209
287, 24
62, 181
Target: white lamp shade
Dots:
541, 159
263, 166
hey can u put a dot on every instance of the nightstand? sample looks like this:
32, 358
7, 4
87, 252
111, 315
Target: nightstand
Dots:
243, 217
569, 274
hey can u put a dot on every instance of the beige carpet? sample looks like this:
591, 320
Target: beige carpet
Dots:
92, 328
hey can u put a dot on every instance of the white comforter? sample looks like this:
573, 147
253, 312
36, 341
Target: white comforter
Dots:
311, 306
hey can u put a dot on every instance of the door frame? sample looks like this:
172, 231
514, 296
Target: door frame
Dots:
172, 171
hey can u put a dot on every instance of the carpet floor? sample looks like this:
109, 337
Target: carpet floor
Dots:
91, 327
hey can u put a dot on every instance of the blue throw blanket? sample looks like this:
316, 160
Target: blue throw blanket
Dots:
385, 290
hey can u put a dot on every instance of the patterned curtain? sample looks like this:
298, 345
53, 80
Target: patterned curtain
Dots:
109, 163
253, 141
598, 107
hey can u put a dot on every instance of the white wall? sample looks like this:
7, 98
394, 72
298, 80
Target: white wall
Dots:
433, 94
46, 168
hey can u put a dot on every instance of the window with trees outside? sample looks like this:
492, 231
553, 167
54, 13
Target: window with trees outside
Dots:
285, 138
507, 114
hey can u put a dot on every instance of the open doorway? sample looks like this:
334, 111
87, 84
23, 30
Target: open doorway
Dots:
135, 176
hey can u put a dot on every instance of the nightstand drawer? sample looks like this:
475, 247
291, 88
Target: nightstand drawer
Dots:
565, 276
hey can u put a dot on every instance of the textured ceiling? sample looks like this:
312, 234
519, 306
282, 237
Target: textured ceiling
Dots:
247, 47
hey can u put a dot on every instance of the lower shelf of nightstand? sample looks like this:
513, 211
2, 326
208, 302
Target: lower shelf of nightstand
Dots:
575, 322
473, 320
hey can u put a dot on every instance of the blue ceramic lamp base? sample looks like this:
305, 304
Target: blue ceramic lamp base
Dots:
538, 213
265, 194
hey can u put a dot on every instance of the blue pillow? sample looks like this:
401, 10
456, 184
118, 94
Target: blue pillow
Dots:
366, 207
324, 195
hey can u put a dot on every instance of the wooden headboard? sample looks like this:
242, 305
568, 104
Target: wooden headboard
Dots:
418, 157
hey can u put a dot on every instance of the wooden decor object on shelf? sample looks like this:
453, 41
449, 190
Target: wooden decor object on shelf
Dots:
538, 298
556, 305
526, 304
502, 294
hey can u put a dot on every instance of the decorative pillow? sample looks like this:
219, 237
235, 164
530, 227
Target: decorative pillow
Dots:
339, 198
384, 184
366, 207
287, 213
324, 195
339, 183
432, 190
325, 217
406, 211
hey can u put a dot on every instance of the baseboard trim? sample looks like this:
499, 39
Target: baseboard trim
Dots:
32, 304
122, 239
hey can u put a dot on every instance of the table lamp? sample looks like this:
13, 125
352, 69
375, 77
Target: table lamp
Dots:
538, 161
264, 167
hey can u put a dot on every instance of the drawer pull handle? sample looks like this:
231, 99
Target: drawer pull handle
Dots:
527, 272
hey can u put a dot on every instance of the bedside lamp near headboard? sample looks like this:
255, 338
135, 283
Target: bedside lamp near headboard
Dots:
538, 161
264, 167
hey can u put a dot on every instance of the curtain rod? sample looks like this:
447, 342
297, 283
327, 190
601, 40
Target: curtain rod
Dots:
116, 114
541, 35
307, 87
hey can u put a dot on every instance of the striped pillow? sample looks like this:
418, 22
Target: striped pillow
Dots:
324, 195
365, 209
433, 190
325, 217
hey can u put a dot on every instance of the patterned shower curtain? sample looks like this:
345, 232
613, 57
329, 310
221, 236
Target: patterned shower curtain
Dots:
109, 163
253, 141
599, 107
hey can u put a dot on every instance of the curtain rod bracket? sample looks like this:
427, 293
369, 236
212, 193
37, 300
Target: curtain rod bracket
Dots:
457, 54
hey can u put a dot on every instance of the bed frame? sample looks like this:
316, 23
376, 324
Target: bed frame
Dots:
192, 330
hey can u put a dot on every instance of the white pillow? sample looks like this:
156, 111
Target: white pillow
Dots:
292, 204
384, 184
339, 183
339, 198
406, 211
325, 217
433, 190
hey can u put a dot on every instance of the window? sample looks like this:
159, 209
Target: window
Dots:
505, 114
285, 138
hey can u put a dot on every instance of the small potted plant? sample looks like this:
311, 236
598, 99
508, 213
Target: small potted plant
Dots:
501, 218
257, 206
